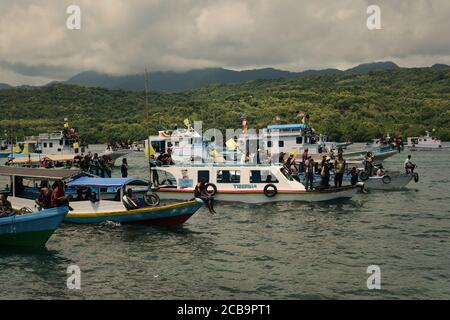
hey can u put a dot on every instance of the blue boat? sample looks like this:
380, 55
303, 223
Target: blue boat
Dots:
30, 229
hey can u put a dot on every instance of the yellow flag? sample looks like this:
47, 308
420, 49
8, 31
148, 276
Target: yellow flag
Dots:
75, 145
294, 152
214, 153
186, 122
17, 149
149, 151
25, 149
231, 144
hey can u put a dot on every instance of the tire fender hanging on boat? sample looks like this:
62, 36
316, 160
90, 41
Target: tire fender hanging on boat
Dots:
386, 179
214, 189
270, 193
416, 177
152, 200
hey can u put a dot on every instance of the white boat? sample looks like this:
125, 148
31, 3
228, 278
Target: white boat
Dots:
425, 143
249, 183
390, 181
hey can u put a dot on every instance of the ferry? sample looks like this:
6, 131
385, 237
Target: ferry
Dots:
248, 183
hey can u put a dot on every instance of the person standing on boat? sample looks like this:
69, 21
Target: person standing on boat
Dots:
291, 165
58, 197
325, 174
124, 168
304, 159
368, 163
309, 173
339, 169
201, 192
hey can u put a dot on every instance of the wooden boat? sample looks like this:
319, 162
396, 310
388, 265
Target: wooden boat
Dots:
31, 229
249, 183
105, 201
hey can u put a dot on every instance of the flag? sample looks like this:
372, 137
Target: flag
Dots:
214, 153
66, 123
231, 144
294, 152
16, 149
186, 122
25, 149
148, 149
75, 145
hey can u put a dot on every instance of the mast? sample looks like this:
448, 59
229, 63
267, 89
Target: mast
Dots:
147, 108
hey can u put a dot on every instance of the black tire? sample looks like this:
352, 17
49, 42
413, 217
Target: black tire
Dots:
363, 176
386, 179
416, 177
214, 189
152, 200
268, 193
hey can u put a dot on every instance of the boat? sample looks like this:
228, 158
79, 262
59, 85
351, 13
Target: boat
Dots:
425, 143
248, 183
30, 229
105, 201
389, 181
379, 153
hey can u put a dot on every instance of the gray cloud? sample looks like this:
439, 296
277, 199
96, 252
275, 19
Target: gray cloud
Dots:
125, 36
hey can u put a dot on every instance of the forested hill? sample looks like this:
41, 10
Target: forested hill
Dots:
357, 107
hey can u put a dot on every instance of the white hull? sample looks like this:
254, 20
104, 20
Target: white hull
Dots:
427, 148
260, 197
391, 183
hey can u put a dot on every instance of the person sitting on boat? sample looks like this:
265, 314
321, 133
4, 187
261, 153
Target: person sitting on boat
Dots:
44, 200
5, 206
201, 192
380, 171
354, 176
409, 166
58, 197
130, 201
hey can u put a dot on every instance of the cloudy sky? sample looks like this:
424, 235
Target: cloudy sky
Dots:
122, 37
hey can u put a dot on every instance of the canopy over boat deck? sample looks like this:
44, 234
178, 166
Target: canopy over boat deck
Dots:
40, 173
106, 182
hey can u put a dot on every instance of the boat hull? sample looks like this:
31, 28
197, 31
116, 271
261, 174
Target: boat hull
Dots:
255, 197
394, 182
30, 230
166, 215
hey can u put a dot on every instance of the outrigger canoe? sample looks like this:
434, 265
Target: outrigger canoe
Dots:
101, 199
30, 229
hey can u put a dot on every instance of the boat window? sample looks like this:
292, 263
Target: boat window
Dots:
61, 142
51, 144
228, 176
45, 144
281, 143
269, 144
177, 143
203, 174
299, 140
285, 173
262, 176
163, 178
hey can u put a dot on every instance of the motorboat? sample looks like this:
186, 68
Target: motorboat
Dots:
98, 199
424, 143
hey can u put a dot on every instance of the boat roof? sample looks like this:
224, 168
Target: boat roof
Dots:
105, 182
35, 159
296, 126
40, 173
